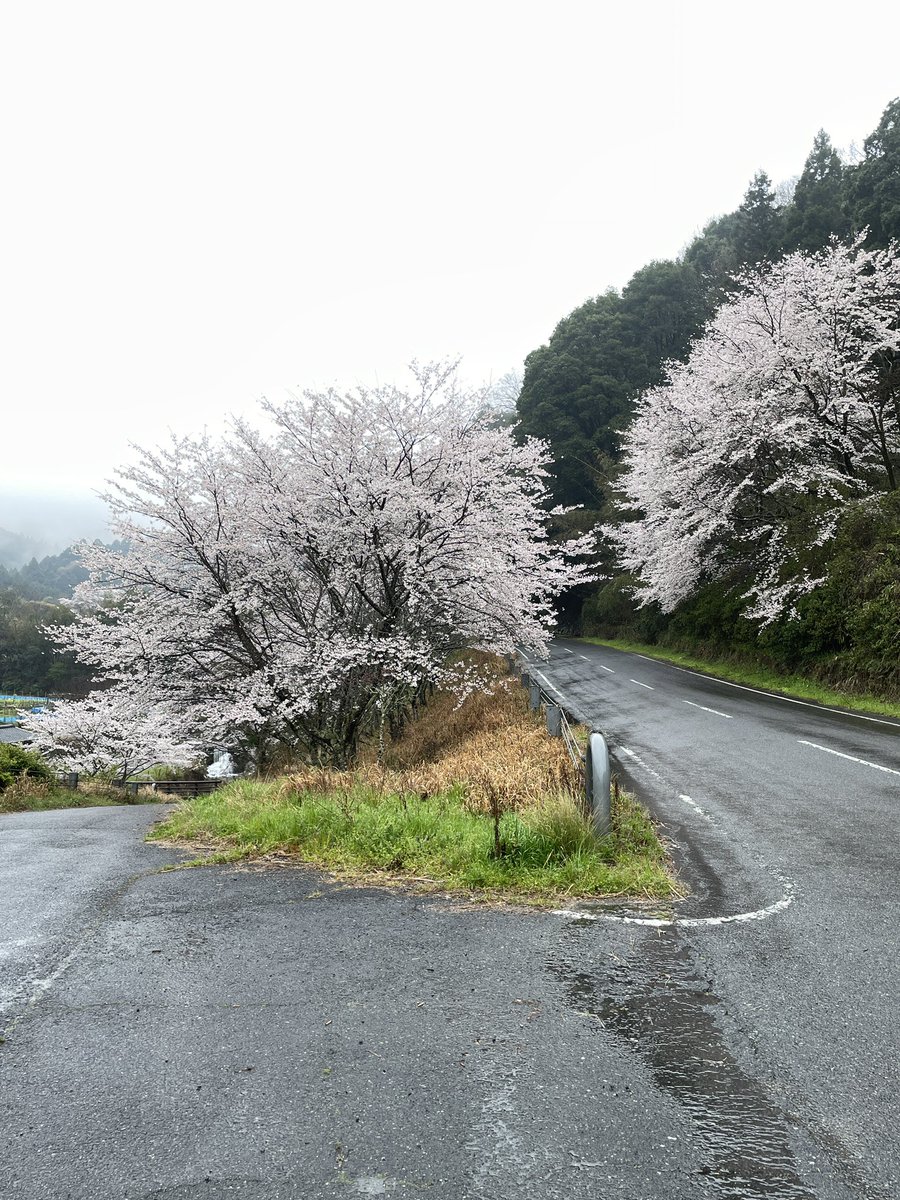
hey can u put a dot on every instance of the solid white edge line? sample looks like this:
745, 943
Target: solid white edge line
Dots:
863, 762
727, 716
841, 712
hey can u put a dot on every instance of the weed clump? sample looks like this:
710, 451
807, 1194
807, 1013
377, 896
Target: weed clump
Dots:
473, 797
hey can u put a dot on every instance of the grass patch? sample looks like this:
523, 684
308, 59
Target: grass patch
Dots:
798, 686
548, 851
475, 799
38, 795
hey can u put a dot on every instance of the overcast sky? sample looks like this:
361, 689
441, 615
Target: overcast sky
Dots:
207, 202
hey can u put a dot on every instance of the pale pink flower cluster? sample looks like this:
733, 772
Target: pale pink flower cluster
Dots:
746, 456
303, 586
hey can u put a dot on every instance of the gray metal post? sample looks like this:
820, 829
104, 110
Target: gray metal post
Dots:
72, 780
534, 696
526, 679
597, 782
554, 720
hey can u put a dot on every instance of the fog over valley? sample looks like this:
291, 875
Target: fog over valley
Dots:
35, 524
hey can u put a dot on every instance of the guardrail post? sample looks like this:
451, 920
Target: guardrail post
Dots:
72, 780
597, 783
534, 696
554, 720
526, 679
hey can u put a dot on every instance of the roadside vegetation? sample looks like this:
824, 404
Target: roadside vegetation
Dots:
731, 420
753, 675
474, 798
27, 784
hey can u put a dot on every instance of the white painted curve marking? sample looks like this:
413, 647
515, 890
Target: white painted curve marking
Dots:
727, 716
646, 685
863, 762
758, 914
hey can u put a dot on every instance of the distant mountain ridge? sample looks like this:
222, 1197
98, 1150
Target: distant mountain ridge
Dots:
16, 548
51, 578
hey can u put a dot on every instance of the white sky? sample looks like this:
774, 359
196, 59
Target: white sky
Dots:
204, 202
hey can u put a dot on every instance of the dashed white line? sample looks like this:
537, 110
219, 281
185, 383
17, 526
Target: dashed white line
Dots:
743, 687
646, 685
863, 762
567, 650
645, 766
727, 716
611, 671
694, 805
585, 657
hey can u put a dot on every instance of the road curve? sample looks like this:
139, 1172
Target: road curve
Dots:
764, 799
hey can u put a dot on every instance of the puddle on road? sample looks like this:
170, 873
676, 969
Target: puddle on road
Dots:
664, 1010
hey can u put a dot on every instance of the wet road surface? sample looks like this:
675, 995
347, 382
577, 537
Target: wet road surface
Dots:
785, 820
226, 1032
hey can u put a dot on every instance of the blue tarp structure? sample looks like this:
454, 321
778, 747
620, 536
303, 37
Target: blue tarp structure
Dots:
35, 703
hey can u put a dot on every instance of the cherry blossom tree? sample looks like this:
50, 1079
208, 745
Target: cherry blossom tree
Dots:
303, 587
109, 733
786, 411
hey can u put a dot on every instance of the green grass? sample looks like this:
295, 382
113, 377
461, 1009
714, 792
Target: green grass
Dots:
549, 852
798, 686
38, 799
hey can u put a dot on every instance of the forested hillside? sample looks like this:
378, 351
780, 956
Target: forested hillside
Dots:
30, 599
832, 542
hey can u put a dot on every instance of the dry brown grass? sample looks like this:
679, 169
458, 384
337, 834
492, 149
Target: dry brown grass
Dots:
491, 745
28, 794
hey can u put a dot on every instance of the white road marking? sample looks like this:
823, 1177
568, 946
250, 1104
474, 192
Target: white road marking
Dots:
863, 762
645, 766
611, 671
727, 716
743, 687
567, 650
646, 685
758, 914
694, 805
637, 758
585, 657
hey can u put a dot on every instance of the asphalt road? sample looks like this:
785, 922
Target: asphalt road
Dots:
789, 815
225, 1032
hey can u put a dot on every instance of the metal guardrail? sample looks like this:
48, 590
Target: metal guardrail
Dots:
168, 787
593, 763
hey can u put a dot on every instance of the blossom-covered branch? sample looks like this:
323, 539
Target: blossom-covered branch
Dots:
787, 409
296, 589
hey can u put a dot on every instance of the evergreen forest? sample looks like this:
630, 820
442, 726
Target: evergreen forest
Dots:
30, 598
581, 391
